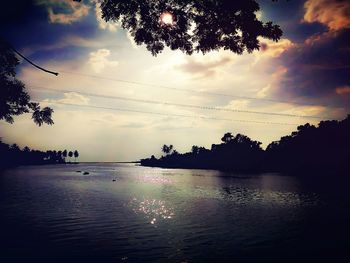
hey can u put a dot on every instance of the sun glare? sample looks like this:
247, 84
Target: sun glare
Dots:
167, 18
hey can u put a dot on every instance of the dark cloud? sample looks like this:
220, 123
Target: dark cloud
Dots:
289, 14
316, 68
27, 26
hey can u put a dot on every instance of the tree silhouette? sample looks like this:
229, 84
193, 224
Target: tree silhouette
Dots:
26, 149
76, 155
195, 149
12, 155
193, 25
227, 137
310, 150
70, 154
54, 155
14, 100
59, 154
14, 147
236, 153
64, 154
167, 149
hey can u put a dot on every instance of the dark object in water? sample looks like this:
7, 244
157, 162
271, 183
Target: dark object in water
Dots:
114, 180
86, 173
78, 171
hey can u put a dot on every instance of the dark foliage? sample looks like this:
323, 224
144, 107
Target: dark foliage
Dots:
198, 25
14, 99
325, 148
240, 153
12, 155
167, 149
76, 155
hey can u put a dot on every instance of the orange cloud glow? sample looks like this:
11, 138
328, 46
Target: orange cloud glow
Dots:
333, 14
275, 49
343, 90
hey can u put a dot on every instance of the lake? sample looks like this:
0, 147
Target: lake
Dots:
129, 213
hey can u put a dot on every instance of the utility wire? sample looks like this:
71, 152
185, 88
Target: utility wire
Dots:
178, 104
185, 90
32, 63
170, 114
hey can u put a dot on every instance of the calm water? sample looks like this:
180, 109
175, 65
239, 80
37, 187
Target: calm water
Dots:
128, 213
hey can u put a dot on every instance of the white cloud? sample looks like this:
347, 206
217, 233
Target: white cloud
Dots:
262, 93
238, 104
207, 65
111, 26
74, 98
99, 60
307, 110
270, 48
69, 98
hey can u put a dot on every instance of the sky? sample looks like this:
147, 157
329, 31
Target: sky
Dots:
135, 107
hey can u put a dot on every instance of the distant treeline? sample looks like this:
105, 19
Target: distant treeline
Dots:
12, 155
325, 148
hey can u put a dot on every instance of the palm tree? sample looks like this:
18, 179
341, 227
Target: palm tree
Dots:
167, 149
59, 156
76, 155
49, 155
54, 155
70, 154
64, 154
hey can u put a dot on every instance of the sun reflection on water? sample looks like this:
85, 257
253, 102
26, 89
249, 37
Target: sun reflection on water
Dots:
153, 209
155, 179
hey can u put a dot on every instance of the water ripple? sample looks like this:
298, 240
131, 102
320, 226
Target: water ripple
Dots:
153, 209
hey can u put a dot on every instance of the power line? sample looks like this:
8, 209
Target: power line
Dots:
185, 90
171, 115
179, 104
32, 63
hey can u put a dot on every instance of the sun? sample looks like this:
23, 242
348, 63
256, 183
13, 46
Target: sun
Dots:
167, 18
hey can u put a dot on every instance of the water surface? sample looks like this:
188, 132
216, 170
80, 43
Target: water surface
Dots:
129, 213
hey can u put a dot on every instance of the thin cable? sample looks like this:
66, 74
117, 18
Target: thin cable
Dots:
179, 104
32, 63
170, 114
185, 90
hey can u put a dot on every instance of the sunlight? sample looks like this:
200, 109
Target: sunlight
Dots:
153, 209
167, 18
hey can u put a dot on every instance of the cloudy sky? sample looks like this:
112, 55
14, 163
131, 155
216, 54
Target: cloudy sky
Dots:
114, 101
